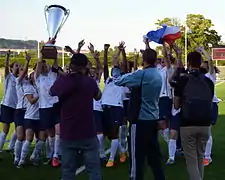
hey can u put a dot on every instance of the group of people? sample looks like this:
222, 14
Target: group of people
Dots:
66, 111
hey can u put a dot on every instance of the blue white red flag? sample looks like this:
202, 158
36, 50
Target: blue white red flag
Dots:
165, 34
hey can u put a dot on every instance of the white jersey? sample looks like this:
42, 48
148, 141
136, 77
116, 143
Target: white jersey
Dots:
32, 110
112, 95
213, 78
22, 102
166, 90
126, 93
97, 105
10, 97
44, 83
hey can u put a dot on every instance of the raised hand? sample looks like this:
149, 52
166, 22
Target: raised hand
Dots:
51, 41
28, 57
121, 45
81, 44
68, 49
106, 46
96, 54
91, 48
8, 53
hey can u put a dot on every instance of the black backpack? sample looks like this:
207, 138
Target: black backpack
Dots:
197, 99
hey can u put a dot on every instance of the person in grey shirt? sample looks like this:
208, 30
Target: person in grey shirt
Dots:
146, 86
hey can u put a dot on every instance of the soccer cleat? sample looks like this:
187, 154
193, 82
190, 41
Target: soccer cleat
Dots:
123, 157
20, 164
55, 162
48, 161
170, 162
207, 162
110, 163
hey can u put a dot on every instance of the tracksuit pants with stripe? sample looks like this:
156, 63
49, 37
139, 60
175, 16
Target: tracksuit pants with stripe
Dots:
143, 143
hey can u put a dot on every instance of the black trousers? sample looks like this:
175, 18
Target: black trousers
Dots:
142, 144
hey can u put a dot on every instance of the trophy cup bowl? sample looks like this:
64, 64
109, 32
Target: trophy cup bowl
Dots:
55, 16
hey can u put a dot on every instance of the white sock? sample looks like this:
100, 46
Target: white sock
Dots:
51, 141
2, 140
56, 146
47, 149
172, 148
208, 148
101, 145
121, 148
12, 141
166, 134
33, 155
113, 149
25, 151
18, 149
123, 136
38, 148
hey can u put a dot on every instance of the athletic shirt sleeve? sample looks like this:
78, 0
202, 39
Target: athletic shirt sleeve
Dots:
28, 89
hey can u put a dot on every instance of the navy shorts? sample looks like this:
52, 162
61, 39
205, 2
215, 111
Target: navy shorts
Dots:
32, 124
19, 117
175, 122
98, 117
49, 117
112, 118
125, 107
165, 108
214, 113
7, 114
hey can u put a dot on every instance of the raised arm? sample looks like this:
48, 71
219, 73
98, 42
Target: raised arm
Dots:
25, 69
115, 58
96, 55
80, 45
69, 49
166, 56
106, 67
124, 57
178, 52
209, 58
7, 69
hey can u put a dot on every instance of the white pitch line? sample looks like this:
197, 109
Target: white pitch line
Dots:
82, 168
219, 83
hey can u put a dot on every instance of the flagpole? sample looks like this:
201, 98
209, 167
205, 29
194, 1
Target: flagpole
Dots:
63, 61
185, 44
38, 49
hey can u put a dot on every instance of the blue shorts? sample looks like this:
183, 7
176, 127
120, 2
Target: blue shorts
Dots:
165, 108
32, 124
98, 117
175, 122
214, 113
7, 114
125, 107
48, 118
19, 117
112, 119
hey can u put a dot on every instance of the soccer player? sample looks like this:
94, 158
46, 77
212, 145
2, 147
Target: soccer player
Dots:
210, 72
9, 100
112, 102
21, 81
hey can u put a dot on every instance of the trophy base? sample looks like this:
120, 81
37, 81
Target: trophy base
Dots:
49, 52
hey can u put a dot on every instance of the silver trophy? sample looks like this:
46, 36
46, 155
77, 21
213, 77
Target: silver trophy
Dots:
55, 16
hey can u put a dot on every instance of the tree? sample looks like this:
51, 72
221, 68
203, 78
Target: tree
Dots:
200, 31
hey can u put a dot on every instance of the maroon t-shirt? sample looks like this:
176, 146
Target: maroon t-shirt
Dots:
76, 93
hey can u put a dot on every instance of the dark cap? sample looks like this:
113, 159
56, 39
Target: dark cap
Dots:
79, 60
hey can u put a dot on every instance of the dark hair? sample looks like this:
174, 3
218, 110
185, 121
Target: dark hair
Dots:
215, 68
79, 60
11, 66
150, 56
194, 59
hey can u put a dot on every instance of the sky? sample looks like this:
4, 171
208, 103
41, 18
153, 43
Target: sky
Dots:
102, 21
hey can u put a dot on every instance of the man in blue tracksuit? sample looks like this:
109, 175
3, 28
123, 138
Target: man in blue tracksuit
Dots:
144, 115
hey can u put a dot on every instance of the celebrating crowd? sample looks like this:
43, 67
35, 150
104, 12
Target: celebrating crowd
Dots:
65, 111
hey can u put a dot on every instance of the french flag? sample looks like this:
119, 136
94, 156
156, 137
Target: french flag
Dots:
166, 34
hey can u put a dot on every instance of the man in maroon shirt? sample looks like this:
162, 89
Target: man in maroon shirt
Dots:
78, 135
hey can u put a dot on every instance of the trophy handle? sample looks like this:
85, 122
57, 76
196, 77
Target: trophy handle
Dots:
67, 13
46, 19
